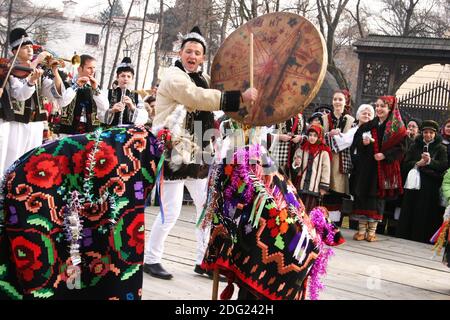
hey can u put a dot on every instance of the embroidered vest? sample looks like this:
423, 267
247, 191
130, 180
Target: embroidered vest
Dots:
24, 111
115, 96
83, 104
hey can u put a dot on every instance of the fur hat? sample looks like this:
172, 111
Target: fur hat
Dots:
125, 66
15, 37
417, 121
316, 115
431, 125
194, 35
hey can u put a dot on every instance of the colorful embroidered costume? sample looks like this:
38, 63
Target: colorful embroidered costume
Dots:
261, 237
72, 224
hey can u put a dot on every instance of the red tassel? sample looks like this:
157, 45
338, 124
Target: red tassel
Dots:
388, 173
227, 293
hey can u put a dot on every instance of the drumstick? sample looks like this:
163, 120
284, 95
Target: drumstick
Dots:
251, 60
13, 63
251, 64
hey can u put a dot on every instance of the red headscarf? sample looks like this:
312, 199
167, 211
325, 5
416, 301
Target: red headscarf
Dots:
443, 130
320, 143
348, 100
389, 177
395, 130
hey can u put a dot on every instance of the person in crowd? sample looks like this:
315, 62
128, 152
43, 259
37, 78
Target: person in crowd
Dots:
337, 123
445, 133
341, 142
149, 103
125, 106
413, 131
393, 207
83, 106
183, 99
315, 119
443, 238
284, 139
379, 145
421, 213
23, 114
311, 165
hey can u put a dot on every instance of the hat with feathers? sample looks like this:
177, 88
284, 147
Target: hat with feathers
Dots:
194, 35
125, 66
15, 37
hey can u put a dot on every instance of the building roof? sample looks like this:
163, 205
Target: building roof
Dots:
326, 91
374, 43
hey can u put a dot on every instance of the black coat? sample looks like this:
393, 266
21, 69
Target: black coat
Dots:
421, 213
365, 169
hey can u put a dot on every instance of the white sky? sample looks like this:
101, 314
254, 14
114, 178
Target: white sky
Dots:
93, 7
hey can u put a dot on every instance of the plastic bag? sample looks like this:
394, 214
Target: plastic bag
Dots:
413, 179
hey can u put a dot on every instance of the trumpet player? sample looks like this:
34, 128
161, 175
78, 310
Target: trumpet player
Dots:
23, 115
125, 107
83, 104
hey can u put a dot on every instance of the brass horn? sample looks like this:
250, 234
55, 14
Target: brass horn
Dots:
76, 60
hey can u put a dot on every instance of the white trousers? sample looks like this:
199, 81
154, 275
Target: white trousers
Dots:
172, 201
21, 138
4, 137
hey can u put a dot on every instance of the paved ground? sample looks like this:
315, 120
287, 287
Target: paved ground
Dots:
389, 269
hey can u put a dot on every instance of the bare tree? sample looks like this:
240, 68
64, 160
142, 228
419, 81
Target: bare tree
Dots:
33, 18
301, 7
140, 45
158, 42
225, 19
8, 30
359, 16
119, 46
329, 15
413, 18
110, 15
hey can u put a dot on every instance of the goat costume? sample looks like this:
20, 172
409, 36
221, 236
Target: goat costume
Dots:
72, 219
261, 237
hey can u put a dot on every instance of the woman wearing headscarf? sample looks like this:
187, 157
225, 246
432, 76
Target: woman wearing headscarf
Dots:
380, 146
393, 208
421, 212
445, 133
312, 168
336, 123
413, 131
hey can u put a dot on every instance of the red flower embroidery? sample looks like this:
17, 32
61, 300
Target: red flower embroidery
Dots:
105, 159
274, 232
271, 223
98, 267
273, 212
26, 256
136, 232
228, 169
45, 170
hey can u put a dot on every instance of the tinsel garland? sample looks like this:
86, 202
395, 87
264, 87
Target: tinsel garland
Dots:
440, 239
240, 175
258, 193
73, 227
75, 200
319, 267
212, 201
2, 194
88, 184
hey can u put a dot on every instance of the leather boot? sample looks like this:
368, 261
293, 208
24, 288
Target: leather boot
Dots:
156, 270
